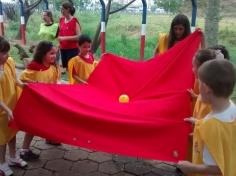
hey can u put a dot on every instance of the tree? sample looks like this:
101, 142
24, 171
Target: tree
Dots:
171, 6
83, 3
212, 22
109, 11
10, 11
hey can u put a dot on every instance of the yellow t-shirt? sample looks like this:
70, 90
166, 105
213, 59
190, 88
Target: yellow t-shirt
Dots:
219, 138
80, 68
8, 95
51, 75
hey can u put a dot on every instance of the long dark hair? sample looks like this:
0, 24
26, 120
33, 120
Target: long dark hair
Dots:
41, 50
179, 19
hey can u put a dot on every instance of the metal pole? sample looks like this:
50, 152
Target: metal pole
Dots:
143, 30
103, 27
46, 4
22, 23
194, 14
1, 20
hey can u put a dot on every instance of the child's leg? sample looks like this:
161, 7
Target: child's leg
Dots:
12, 147
2, 154
14, 159
27, 141
25, 153
4, 168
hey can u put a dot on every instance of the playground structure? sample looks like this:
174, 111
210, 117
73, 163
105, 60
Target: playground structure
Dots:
103, 23
22, 20
143, 26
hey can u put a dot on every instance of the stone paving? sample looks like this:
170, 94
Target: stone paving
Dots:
66, 160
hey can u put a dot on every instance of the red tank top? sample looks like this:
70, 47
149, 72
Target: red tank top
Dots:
68, 29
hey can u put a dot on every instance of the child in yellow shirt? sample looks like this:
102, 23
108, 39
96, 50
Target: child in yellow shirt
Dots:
8, 99
80, 67
42, 69
214, 143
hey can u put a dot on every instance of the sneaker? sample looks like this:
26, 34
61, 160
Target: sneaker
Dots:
18, 162
28, 155
5, 170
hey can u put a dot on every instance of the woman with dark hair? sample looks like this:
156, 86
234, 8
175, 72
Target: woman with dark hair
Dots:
180, 29
48, 29
68, 34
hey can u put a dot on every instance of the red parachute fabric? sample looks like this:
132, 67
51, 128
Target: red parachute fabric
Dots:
149, 126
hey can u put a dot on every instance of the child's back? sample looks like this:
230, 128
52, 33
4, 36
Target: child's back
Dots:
214, 144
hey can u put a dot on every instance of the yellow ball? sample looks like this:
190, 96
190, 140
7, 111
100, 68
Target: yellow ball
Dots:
124, 98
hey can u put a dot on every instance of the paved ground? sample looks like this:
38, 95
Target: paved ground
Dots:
66, 160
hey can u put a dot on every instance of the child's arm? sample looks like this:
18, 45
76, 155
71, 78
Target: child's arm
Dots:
7, 110
20, 83
192, 94
191, 120
77, 78
188, 167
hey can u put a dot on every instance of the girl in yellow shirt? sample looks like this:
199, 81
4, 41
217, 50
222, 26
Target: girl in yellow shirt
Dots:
180, 29
42, 69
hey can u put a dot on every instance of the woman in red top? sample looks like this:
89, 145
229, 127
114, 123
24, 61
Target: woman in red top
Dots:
68, 34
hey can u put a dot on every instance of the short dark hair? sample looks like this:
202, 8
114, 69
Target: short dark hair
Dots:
68, 5
179, 19
204, 55
84, 38
4, 45
219, 75
222, 49
41, 50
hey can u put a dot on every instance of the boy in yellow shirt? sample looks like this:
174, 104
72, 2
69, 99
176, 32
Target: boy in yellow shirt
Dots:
214, 143
80, 67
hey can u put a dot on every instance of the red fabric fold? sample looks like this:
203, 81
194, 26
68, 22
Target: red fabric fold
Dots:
149, 126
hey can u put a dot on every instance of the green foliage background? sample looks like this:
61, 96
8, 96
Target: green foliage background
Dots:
123, 31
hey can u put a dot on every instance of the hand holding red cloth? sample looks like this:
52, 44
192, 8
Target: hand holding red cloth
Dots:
149, 126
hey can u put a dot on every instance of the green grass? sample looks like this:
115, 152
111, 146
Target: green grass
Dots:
123, 32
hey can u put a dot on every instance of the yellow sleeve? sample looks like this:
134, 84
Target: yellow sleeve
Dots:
162, 44
28, 76
70, 70
219, 137
1, 97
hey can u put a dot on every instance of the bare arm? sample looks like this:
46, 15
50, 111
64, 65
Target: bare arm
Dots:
20, 83
73, 37
6, 109
188, 167
77, 78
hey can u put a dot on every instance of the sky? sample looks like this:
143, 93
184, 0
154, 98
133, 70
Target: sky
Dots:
137, 2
